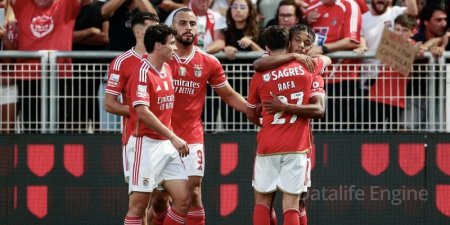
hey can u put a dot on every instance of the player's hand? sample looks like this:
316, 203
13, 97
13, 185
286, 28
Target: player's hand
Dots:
274, 106
245, 42
307, 60
312, 17
230, 52
180, 145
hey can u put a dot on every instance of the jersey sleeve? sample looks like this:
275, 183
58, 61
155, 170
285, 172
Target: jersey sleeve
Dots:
218, 78
352, 21
116, 80
254, 98
139, 86
317, 86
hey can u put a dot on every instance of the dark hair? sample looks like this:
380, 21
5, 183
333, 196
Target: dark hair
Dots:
298, 12
251, 28
141, 17
428, 11
406, 21
157, 34
300, 27
180, 10
276, 37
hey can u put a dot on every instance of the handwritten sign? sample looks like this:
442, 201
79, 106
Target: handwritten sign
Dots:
396, 52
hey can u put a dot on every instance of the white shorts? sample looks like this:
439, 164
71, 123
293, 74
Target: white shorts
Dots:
126, 165
308, 175
195, 161
8, 94
153, 162
285, 172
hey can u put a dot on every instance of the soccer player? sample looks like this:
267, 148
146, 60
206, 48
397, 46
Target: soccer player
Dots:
294, 87
119, 74
156, 161
192, 70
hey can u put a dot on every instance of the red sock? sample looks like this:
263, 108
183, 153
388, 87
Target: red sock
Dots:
303, 217
158, 218
132, 220
261, 215
273, 218
174, 218
291, 217
195, 216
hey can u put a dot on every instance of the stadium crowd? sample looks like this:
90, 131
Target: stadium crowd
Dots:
230, 26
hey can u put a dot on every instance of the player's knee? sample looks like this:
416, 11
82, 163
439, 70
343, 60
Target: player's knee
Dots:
160, 202
182, 203
137, 208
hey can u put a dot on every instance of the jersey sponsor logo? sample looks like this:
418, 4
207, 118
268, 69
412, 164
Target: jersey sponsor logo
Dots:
182, 71
321, 35
142, 91
41, 26
114, 80
185, 87
198, 70
266, 77
287, 72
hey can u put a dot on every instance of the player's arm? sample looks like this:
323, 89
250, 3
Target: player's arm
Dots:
411, 7
252, 115
151, 121
271, 62
145, 6
232, 98
315, 109
112, 105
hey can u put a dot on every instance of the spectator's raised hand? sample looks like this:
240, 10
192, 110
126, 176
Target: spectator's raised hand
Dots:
437, 51
312, 17
230, 52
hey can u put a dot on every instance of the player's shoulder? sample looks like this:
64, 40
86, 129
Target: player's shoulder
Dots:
209, 58
125, 58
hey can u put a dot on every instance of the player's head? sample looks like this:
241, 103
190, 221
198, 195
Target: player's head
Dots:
43, 3
301, 38
288, 13
141, 21
160, 39
185, 23
276, 38
380, 6
404, 25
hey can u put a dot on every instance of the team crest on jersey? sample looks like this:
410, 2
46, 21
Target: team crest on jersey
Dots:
388, 24
266, 77
145, 181
41, 26
334, 22
198, 70
182, 71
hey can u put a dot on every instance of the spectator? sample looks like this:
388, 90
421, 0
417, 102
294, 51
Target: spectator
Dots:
121, 38
90, 34
210, 25
242, 33
8, 88
433, 25
165, 7
42, 25
337, 25
265, 10
287, 15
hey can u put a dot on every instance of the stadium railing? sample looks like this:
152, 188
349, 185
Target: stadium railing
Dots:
71, 94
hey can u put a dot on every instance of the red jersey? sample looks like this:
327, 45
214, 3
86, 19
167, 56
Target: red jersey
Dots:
45, 29
292, 83
120, 71
389, 88
154, 89
336, 21
190, 78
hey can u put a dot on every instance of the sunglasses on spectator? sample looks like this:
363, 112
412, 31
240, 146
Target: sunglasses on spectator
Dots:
239, 6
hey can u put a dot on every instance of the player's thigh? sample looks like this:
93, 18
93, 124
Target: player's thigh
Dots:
141, 169
195, 161
178, 190
293, 173
266, 173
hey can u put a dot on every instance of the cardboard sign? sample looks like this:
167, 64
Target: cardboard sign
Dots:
396, 52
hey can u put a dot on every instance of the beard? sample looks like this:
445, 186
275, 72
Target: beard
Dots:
379, 11
185, 41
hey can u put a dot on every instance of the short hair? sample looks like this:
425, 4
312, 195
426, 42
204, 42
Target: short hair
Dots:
180, 10
428, 11
157, 34
276, 37
406, 20
298, 12
141, 17
300, 27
